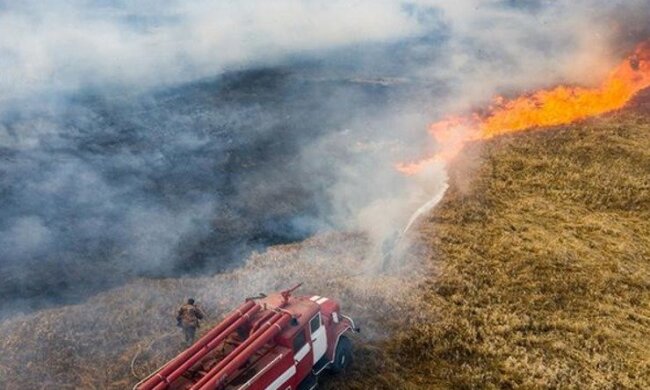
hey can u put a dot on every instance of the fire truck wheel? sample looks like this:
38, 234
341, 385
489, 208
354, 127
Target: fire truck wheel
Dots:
343, 356
309, 383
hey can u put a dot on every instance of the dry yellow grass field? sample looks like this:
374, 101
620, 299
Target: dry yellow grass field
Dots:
542, 246
536, 275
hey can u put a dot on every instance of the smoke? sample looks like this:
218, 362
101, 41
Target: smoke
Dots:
149, 139
71, 44
472, 51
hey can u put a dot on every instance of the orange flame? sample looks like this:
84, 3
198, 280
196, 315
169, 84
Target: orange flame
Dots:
557, 106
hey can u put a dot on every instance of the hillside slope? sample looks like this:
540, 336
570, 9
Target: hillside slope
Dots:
543, 249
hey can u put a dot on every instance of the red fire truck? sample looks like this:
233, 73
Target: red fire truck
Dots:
272, 342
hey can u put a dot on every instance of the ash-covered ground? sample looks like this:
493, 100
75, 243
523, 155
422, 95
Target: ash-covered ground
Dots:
99, 189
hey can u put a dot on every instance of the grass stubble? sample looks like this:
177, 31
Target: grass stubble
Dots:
542, 252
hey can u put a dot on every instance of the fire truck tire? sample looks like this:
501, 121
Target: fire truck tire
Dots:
309, 383
343, 356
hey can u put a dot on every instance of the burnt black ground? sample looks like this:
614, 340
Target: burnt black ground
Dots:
101, 190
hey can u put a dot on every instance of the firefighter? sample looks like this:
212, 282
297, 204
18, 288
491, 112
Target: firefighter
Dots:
188, 318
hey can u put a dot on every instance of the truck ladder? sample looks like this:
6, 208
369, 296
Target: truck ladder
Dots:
218, 375
176, 367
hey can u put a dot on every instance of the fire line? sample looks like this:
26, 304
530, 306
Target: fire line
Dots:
550, 107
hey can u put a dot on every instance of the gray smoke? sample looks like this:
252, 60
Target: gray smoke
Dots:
149, 139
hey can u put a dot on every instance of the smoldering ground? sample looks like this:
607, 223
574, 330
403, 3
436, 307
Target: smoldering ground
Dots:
139, 143
106, 177
182, 181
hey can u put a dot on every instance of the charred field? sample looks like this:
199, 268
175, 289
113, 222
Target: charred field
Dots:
189, 180
536, 275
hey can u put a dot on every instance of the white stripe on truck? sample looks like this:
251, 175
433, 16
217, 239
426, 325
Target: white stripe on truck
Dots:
282, 379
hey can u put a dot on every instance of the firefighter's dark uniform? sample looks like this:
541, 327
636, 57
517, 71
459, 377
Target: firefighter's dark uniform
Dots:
188, 318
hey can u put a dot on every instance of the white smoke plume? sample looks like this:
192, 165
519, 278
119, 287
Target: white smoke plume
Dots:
157, 138
66, 45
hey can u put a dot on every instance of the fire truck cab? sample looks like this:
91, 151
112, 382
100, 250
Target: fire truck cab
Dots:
271, 342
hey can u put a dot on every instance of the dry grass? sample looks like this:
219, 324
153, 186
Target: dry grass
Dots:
542, 253
118, 337
543, 243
